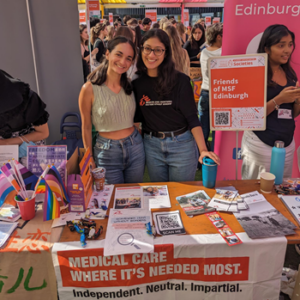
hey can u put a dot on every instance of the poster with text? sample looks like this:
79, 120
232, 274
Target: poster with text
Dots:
208, 20
238, 92
237, 17
151, 14
39, 157
190, 267
82, 17
186, 17
111, 18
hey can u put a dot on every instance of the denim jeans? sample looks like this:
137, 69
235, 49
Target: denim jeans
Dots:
172, 158
203, 108
124, 160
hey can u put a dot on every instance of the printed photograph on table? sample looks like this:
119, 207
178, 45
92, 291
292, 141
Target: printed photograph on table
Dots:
219, 224
234, 102
155, 190
214, 217
39, 157
123, 203
195, 203
225, 195
128, 198
224, 230
262, 220
156, 196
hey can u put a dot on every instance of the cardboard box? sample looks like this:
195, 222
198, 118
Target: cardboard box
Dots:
80, 182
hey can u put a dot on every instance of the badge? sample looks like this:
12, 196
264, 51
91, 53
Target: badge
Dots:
284, 113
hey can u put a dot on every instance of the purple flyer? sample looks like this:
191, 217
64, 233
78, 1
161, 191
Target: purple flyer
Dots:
39, 157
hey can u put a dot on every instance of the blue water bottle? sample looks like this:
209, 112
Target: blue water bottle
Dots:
277, 161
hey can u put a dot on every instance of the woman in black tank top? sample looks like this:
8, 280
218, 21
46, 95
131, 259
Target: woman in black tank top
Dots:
283, 107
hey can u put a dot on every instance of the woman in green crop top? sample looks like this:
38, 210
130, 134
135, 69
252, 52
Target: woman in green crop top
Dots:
107, 102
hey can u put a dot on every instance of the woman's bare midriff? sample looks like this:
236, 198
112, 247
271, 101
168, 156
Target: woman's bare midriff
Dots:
117, 135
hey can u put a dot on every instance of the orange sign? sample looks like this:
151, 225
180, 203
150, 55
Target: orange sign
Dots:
88, 268
216, 20
238, 92
208, 21
82, 19
151, 14
186, 17
94, 5
111, 18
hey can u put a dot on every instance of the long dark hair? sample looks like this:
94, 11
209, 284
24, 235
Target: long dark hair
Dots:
99, 75
272, 36
81, 28
194, 43
166, 70
138, 36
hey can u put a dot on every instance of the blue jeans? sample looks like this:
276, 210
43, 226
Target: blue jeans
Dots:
172, 158
203, 108
124, 160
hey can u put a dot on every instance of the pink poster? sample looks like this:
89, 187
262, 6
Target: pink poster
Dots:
244, 23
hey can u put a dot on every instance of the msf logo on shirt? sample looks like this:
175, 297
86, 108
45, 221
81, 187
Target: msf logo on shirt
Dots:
144, 100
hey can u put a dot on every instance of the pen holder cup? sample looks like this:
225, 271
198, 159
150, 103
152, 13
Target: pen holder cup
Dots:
27, 207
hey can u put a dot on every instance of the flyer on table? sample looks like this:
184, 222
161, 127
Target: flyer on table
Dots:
126, 232
39, 157
157, 196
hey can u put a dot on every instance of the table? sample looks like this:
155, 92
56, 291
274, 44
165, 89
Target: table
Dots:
192, 227
258, 266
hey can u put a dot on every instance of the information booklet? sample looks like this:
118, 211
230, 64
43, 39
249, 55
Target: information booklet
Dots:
262, 220
127, 232
292, 203
6, 229
168, 223
195, 203
9, 213
146, 197
39, 157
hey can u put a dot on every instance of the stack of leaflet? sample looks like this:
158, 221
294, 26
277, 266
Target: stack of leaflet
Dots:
292, 203
262, 220
228, 199
9, 213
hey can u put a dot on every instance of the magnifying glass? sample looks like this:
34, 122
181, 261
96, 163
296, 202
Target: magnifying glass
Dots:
126, 239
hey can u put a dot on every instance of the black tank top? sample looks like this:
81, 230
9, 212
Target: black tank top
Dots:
86, 52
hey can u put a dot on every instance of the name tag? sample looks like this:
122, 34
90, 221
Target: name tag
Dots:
284, 113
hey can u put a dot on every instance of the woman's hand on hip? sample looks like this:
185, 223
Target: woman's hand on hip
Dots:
211, 155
